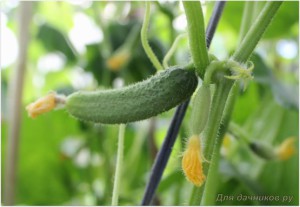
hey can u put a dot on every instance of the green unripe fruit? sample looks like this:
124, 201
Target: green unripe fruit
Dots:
263, 150
139, 101
200, 110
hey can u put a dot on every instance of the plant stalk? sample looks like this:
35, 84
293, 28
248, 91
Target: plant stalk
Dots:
211, 132
256, 31
246, 19
210, 189
241, 55
120, 154
196, 34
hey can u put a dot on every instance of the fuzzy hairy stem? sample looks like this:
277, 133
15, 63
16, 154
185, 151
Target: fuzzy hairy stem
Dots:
196, 34
256, 31
120, 154
241, 55
211, 132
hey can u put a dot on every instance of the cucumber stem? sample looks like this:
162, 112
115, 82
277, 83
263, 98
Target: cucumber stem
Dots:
241, 55
115, 195
248, 44
196, 34
211, 132
246, 19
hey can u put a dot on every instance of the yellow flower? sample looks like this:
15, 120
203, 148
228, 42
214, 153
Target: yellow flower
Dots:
286, 149
42, 105
118, 60
192, 162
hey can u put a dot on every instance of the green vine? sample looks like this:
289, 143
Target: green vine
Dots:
115, 195
144, 38
196, 35
172, 50
246, 19
212, 140
256, 31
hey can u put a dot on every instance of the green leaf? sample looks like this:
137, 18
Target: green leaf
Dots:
55, 40
95, 63
45, 12
281, 26
270, 124
42, 176
248, 99
285, 94
282, 178
283, 22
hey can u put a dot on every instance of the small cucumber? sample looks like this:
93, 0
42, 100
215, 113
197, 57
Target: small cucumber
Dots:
139, 101
201, 107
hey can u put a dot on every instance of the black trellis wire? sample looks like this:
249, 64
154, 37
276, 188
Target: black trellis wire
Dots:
165, 151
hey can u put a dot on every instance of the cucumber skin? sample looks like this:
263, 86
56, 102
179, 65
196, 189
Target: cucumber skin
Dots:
200, 108
135, 102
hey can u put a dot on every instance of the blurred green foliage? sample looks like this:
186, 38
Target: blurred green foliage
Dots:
63, 161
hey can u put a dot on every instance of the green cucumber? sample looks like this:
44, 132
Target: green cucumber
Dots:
201, 108
139, 101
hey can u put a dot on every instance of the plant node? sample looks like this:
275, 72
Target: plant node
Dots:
240, 72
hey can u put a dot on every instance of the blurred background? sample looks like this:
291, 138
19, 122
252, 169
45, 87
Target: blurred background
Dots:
68, 46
